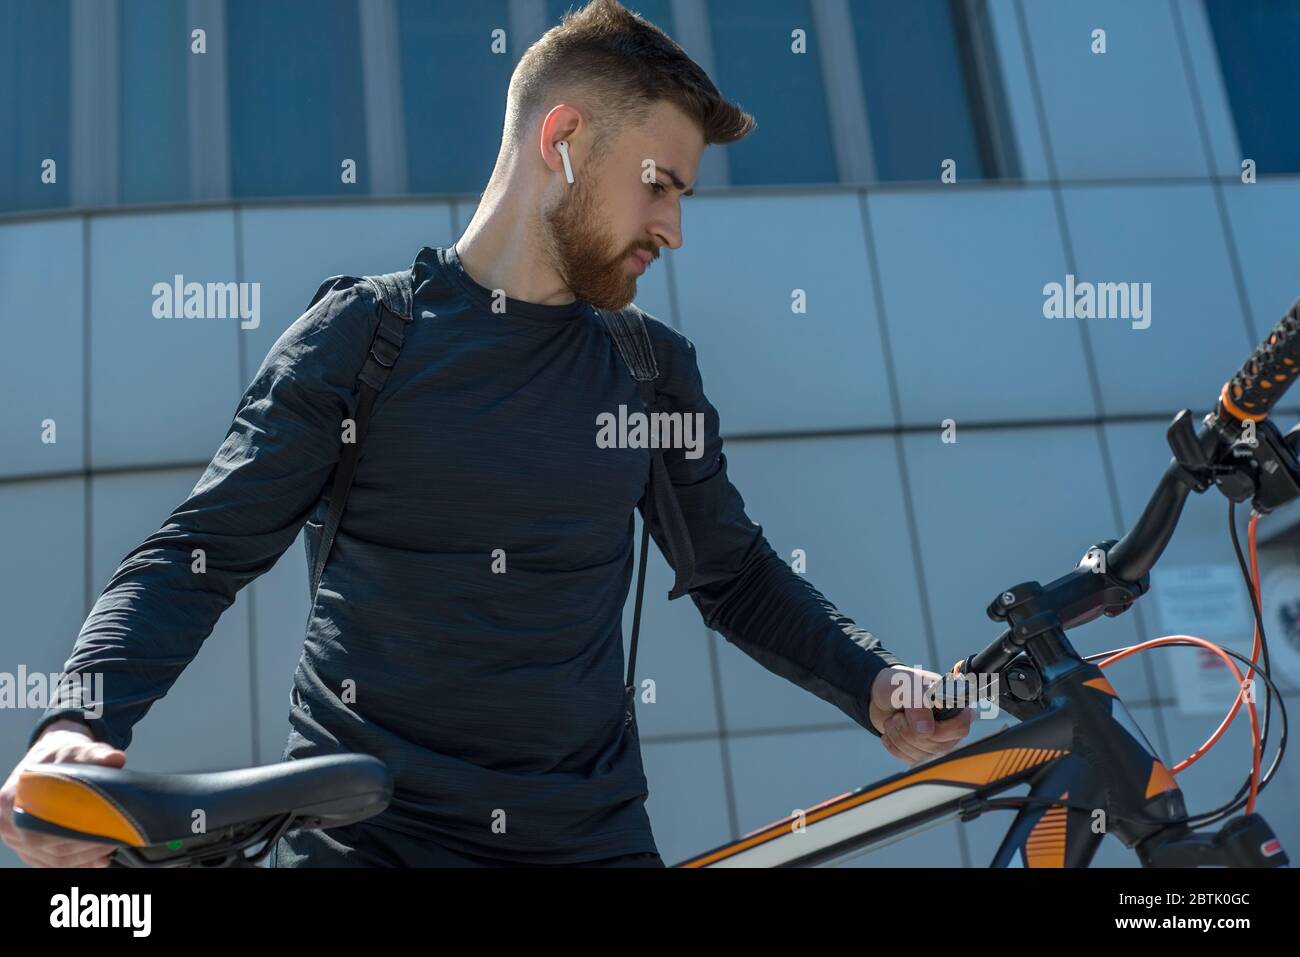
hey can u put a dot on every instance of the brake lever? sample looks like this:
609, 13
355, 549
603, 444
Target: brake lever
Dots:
1260, 463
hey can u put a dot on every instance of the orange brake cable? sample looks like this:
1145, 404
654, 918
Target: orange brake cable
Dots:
1243, 684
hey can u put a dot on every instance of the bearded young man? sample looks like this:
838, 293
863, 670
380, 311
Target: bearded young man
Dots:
496, 699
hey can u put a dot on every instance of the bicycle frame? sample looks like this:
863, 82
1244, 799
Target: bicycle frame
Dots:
1084, 748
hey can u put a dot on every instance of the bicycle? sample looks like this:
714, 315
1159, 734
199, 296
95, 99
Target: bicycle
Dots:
1076, 746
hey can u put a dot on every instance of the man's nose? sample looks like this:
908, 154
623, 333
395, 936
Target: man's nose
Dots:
669, 233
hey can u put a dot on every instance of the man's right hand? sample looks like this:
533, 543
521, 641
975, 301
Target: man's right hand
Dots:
63, 741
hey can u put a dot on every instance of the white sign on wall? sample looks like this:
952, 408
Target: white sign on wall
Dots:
1280, 609
1210, 602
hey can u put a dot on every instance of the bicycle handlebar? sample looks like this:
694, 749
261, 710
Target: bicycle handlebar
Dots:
1248, 396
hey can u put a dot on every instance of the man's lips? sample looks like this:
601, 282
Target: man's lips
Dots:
642, 257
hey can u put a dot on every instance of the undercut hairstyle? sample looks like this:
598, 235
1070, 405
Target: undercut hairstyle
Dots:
622, 65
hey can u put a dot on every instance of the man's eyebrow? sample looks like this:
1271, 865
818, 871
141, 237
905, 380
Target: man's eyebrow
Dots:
677, 181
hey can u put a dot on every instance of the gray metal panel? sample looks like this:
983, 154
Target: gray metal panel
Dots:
688, 802
42, 590
1170, 236
1263, 219
161, 389
766, 367
841, 501
42, 360
962, 273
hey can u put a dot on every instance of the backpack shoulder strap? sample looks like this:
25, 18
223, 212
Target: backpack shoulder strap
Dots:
393, 293
628, 330
627, 327
393, 298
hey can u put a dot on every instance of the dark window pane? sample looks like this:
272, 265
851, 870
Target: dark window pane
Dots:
756, 68
295, 97
453, 91
915, 87
154, 43
34, 76
1256, 40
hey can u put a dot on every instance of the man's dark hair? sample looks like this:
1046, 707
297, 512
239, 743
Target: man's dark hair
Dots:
625, 65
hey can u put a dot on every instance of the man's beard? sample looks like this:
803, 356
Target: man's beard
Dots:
576, 246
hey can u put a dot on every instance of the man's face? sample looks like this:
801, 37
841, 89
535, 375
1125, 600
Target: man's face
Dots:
609, 221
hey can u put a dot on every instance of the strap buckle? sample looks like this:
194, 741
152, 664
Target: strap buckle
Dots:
389, 357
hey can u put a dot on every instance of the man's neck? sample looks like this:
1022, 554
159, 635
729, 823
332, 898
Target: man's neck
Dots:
499, 250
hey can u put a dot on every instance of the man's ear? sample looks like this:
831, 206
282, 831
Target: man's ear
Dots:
555, 133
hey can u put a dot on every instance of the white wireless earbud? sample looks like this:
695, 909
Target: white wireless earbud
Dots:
563, 147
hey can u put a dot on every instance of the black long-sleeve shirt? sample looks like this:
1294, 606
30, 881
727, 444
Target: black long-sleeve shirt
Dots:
494, 696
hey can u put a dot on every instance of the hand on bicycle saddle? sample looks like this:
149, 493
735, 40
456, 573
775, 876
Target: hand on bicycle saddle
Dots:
63, 741
912, 734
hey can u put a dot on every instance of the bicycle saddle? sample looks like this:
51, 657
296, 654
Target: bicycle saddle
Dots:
135, 809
